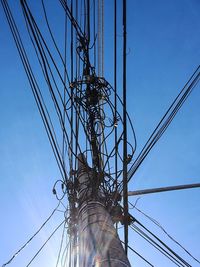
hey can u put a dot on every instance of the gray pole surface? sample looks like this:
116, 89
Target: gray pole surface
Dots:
162, 189
99, 244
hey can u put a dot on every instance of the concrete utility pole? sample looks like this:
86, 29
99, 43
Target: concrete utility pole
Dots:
99, 244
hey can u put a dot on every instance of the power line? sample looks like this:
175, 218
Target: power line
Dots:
34, 86
165, 121
139, 255
32, 237
159, 244
34, 257
162, 228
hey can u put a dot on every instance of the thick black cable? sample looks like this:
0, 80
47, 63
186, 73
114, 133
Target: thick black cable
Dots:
72, 89
64, 91
77, 122
88, 21
125, 170
115, 84
47, 81
32, 81
72, 19
54, 98
43, 109
94, 32
54, 41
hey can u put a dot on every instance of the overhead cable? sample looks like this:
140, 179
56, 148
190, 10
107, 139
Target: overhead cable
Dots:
139, 255
159, 244
165, 121
34, 257
163, 229
32, 237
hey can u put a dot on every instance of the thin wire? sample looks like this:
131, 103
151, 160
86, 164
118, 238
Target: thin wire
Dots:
159, 240
32, 237
162, 228
61, 245
157, 246
165, 121
138, 254
45, 243
65, 253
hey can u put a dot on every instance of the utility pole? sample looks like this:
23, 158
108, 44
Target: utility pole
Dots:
99, 244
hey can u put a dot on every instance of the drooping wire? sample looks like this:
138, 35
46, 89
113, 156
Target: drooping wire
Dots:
159, 244
163, 229
32, 237
125, 165
34, 257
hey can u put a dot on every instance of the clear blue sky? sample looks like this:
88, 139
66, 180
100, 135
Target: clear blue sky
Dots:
164, 50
